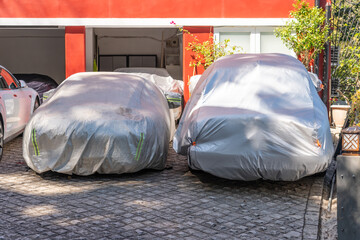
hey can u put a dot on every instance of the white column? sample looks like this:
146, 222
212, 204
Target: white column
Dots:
89, 48
255, 41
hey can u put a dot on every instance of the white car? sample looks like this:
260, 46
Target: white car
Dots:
17, 103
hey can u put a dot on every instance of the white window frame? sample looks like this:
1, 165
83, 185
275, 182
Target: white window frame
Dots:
252, 30
255, 35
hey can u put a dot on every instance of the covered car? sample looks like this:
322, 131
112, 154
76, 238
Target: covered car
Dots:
255, 116
39, 82
171, 88
108, 123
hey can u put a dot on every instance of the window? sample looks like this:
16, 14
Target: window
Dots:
237, 39
253, 39
11, 83
3, 84
269, 43
112, 62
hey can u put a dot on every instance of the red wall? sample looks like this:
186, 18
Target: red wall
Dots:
146, 9
203, 34
74, 50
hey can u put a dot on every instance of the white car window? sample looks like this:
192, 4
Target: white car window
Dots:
10, 80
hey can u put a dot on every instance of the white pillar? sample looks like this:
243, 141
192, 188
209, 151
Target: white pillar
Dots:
89, 48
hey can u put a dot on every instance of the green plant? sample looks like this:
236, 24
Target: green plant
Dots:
348, 70
207, 52
355, 109
306, 33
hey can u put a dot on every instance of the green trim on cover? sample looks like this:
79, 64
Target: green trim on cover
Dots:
33, 139
174, 99
139, 147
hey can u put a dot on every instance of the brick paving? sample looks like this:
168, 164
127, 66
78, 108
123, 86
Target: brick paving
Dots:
170, 204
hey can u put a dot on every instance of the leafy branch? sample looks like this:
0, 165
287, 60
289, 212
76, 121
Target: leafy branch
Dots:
207, 52
306, 33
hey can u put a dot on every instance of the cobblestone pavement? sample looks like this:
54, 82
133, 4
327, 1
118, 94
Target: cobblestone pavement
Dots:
170, 204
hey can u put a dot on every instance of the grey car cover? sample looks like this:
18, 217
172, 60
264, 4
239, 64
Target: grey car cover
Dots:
171, 88
254, 116
99, 122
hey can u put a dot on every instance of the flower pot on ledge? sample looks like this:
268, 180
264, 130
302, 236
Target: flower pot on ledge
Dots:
338, 113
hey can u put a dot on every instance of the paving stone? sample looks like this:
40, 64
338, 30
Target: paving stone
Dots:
172, 204
292, 235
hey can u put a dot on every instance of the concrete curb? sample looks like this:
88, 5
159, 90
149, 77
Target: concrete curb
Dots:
312, 211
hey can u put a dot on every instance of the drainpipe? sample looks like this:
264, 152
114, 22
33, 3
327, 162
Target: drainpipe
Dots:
327, 72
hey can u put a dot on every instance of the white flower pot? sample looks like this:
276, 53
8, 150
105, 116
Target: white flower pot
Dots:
339, 113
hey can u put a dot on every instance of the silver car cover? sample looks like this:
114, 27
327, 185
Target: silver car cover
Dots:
100, 122
254, 116
171, 88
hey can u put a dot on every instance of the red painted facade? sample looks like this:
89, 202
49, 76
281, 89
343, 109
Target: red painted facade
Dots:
203, 34
74, 50
146, 9
75, 36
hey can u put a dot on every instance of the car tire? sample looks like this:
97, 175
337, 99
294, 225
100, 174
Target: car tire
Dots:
1, 139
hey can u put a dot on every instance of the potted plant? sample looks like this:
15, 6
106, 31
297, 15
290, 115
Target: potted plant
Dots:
339, 109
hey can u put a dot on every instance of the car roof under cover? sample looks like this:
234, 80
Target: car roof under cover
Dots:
158, 71
259, 82
102, 87
39, 82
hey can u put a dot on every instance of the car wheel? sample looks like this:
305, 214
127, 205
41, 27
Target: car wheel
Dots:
1, 139
36, 104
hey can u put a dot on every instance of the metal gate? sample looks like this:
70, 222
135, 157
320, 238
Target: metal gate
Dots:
345, 47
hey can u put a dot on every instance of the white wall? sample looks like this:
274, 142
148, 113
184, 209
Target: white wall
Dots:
34, 51
136, 41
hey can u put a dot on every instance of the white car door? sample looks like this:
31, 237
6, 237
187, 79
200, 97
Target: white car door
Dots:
11, 115
15, 109
24, 96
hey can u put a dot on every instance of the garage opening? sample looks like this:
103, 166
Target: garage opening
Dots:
35, 50
139, 47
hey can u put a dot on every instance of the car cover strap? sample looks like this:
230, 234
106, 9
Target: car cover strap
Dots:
139, 147
33, 139
174, 99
